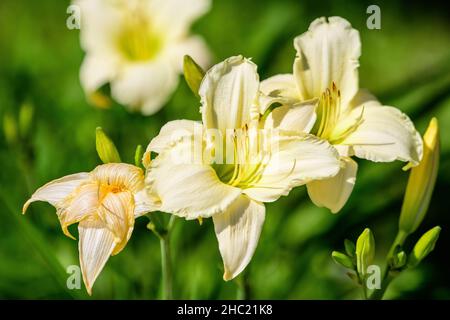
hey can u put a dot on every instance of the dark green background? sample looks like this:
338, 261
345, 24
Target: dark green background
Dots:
406, 64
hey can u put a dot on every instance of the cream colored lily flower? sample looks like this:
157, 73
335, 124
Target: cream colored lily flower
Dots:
137, 46
326, 70
105, 202
232, 190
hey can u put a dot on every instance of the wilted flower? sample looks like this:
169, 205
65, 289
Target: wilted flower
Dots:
262, 163
326, 71
137, 46
105, 202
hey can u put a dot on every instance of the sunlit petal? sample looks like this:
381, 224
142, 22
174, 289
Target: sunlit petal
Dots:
238, 230
228, 94
328, 52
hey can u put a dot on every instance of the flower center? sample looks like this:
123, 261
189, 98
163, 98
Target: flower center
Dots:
329, 116
138, 40
247, 163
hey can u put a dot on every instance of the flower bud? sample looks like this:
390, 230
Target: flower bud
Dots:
365, 251
424, 246
106, 149
193, 74
421, 182
138, 156
10, 128
25, 119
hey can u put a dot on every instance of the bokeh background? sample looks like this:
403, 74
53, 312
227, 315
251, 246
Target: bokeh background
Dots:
406, 64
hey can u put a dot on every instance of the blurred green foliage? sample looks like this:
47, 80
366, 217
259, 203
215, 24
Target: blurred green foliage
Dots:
406, 64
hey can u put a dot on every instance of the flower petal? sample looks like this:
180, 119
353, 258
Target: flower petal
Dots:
296, 159
334, 192
117, 213
176, 16
78, 205
145, 87
328, 52
120, 175
281, 88
172, 132
385, 134
228, 93
144, 203
56, 190
300, 117
96, 245
96, 71
188, 190
238, 230
193, 46
101, 22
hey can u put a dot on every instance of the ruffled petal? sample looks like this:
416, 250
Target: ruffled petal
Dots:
385, 134
119, 175
328, 52
172, 132
228, 94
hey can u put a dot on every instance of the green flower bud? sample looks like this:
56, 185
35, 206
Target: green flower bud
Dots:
106, 149
138, 156
398, 260
25, 119
193, 74
421, 182
10, 128
365, 251
342, 259
424, 246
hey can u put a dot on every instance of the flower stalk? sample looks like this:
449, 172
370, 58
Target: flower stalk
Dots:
156, 225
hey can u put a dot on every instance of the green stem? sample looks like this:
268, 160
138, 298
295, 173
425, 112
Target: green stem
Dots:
387, 276
243, 292
166, 265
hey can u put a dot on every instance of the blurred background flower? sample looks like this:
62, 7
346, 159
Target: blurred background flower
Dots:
406, 64
137, 47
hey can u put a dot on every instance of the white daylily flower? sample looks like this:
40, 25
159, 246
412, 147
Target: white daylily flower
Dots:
232, 192
105, 202
138, 46
326, 69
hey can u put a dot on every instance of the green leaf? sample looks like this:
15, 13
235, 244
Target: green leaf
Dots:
350, 247
342, 259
